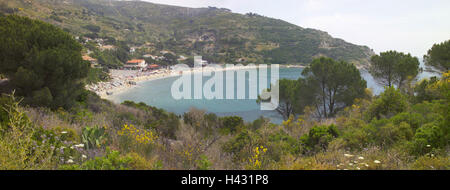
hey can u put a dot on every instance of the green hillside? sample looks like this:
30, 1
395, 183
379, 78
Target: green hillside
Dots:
217, 34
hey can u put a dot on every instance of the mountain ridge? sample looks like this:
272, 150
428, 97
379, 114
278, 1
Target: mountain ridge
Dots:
216, 33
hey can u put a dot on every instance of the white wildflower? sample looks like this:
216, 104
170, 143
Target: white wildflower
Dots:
69, 161
63, 132
376, 162
84, 156
361, 158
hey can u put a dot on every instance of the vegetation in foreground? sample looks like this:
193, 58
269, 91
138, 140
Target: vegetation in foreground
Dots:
405, 127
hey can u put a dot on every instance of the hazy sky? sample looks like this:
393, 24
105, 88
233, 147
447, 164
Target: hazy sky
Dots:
404, 25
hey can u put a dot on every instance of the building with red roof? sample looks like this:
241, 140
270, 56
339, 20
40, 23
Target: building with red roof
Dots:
153, 67
136, 64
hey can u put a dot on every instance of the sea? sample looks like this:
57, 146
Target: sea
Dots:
157, 93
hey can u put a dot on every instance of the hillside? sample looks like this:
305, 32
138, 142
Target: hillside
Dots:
49, 121
217, 34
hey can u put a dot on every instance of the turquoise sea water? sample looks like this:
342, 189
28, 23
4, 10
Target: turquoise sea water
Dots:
158, 93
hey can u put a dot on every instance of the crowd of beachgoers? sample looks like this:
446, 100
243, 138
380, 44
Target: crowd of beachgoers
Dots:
126, 79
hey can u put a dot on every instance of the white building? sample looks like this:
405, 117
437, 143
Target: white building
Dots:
136, 64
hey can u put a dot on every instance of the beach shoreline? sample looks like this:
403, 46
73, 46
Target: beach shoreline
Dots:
123, 80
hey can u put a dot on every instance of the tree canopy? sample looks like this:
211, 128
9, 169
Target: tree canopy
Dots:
439, 56
337, 84
327, 85
393, 68
43, 63
287, 96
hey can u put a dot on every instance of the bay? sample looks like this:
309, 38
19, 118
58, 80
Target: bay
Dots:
158, 93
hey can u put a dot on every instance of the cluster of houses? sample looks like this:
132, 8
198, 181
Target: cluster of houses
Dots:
99, 41
93, 61
134, 64
140, 64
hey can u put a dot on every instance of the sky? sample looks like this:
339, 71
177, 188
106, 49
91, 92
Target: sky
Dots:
410, 26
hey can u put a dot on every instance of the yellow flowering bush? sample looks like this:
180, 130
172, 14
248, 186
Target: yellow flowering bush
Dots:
141, 136
429, 89
188, 156
444, 85
187, 153
292, 123
257, 159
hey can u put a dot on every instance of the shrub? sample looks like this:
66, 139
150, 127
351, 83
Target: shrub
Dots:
63, 143
258, 123
238, 147
203, 163
258, 161
83, 115
358, 138
430, 111
414, 120
424, 90
391, 133
231, 124
166, 124
66, 134
41, 97
431, 163
140, 136
136, 139
111, 161
282, 143
140, 163
19, 150
428, 137
319, 137
388, 104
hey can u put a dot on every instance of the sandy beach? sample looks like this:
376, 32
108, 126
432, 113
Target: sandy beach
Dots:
122, 80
